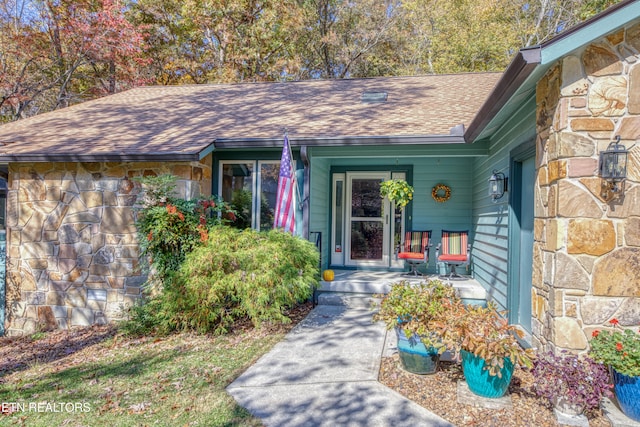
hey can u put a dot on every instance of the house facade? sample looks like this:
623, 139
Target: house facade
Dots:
555, 251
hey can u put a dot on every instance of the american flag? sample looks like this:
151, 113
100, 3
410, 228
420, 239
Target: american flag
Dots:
285, 208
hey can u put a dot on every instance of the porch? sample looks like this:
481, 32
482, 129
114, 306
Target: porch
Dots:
356, 288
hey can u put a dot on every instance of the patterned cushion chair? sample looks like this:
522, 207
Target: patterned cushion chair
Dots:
415, 250
454, 250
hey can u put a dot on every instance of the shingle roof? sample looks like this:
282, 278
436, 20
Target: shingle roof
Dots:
186, 120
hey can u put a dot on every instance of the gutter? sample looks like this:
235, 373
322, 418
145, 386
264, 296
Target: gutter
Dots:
455, 137
528, 59
518, 71
108, 157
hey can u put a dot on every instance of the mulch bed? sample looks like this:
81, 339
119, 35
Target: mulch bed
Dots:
438, 394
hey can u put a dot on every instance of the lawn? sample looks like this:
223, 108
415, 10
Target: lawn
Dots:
96, 377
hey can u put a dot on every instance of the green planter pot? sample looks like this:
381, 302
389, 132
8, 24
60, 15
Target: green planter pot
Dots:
479, 380
414, 356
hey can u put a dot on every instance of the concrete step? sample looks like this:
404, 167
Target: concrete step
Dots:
346, 299
358, 288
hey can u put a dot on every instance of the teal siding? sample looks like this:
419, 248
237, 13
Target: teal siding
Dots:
320, 204
491, 220
422, 213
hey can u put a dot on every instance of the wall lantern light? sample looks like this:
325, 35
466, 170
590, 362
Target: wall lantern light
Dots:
497, 185
613, 165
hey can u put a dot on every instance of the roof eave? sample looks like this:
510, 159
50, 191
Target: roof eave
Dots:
340, 141
521, 67
91, 158
193, 156
529, 59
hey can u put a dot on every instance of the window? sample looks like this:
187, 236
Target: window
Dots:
251, 187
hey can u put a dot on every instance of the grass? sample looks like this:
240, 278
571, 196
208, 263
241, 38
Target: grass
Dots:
177, 380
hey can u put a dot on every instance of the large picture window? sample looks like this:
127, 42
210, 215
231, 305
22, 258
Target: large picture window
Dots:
251, 188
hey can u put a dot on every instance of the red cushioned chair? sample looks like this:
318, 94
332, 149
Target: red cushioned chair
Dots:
415, 250
454, 250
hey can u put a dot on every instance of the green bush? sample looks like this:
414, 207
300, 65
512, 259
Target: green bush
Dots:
238, 274
170, 227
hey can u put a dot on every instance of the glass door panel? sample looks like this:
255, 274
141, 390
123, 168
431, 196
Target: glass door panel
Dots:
237, 190
368, 220
268, 193
366, 240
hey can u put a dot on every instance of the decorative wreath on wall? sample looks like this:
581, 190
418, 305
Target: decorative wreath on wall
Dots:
441, 193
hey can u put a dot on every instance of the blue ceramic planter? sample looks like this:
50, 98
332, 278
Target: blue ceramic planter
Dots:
414, 356
479, 380
627, 390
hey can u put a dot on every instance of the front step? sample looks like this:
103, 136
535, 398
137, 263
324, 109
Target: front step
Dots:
347, 299
359, 289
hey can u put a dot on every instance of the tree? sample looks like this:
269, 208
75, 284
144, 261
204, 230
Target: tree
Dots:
199, 41
349, 39
56, 53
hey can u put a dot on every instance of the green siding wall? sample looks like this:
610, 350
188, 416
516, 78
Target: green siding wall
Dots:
423, 213
491, 220
320, 204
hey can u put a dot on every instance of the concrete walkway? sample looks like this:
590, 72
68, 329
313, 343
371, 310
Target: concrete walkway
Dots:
324, 373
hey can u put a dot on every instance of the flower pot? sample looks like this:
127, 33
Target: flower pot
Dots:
415, 357
627, 391
479, 380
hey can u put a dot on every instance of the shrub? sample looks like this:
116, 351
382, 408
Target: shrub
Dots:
170, 227
238, 274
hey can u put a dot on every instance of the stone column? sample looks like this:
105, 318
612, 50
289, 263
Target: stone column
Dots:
587, 252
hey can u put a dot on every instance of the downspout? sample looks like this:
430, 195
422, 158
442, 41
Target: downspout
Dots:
304, 156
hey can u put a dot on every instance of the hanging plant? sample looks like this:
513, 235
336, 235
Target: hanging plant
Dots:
398, 191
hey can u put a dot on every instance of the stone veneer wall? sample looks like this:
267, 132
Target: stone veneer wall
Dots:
587, 245
72, 249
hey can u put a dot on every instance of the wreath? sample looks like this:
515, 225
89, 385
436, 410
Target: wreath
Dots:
441, 193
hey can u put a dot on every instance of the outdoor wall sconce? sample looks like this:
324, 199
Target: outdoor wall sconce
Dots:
613, 166
497, 185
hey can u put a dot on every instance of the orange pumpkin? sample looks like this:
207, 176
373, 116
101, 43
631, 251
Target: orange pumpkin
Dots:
328, 275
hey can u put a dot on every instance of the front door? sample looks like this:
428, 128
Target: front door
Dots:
521, 219
528, 175
367, 241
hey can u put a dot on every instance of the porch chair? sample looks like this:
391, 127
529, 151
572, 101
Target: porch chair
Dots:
414, 249
454, 250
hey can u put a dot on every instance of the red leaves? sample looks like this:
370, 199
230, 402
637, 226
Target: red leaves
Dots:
68, 49
173, 210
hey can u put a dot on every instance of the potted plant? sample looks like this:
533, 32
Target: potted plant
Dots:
398, 191
415, 311
488, 347
572, 384
619, 349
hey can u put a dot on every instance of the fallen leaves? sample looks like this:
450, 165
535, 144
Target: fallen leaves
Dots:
20, 353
